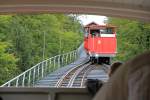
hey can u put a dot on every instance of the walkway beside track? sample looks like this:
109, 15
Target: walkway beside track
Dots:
95, 71
51, 79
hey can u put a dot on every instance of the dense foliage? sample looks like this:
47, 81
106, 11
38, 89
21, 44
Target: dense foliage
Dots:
133, 37
28, 39
8, 67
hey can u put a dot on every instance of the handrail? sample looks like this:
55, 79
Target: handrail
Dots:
40, 70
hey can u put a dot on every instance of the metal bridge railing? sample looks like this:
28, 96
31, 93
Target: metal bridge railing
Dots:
30, 76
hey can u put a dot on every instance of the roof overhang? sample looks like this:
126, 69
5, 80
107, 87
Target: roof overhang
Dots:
133, 9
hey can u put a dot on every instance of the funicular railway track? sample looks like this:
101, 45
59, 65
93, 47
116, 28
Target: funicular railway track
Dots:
67, 79
77, 76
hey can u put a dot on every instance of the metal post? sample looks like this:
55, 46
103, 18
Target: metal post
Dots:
63, 60
38, 71
33, 76
46, 67
58, 61
42, 70
54, 61
66, 58
50, 62
75, 55
17, 82
9, 84
23, 79
70, 56
29, 78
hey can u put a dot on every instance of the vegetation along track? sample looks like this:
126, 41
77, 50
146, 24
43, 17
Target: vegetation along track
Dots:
76, 76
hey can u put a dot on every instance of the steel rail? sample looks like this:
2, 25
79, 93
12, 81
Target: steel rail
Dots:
60, 81
78, 71
84, 75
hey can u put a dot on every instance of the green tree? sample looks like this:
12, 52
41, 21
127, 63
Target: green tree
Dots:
29, 32
8, 67
132, 37
24, 35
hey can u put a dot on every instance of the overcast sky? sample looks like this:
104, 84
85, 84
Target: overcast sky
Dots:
86, 19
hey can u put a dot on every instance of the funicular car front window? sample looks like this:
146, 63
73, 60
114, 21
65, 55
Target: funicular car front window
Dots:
106, 31
95, 32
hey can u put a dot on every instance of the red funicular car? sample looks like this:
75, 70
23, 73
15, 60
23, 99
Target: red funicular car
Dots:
100, 42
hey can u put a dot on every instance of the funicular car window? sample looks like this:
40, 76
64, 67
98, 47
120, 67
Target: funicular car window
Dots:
109, 31
95, 32
106, 31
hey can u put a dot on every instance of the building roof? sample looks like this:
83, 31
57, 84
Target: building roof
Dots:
94, 25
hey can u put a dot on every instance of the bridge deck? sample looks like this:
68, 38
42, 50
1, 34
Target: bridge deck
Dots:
51, 79
96, 72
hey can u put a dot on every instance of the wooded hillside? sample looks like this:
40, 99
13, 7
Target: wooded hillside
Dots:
133, 37
28, 39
